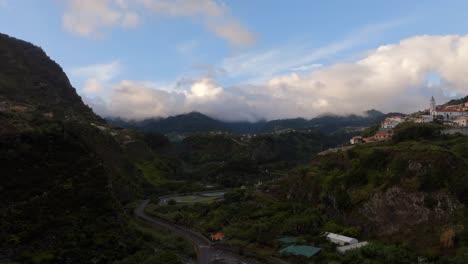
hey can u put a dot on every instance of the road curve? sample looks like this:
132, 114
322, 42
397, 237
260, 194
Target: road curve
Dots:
206, 253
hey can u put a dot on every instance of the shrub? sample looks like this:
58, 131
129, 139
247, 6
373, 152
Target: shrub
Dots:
412, 131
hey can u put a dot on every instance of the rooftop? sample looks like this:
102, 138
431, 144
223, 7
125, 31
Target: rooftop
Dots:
305, 251
346, 239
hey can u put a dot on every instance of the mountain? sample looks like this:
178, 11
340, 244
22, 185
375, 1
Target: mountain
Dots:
186, 123
66, 175
197, 122
28, 77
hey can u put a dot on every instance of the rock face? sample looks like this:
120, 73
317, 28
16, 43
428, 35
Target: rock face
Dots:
396, 210
29, 77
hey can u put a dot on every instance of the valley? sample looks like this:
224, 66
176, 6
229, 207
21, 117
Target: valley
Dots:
76, 188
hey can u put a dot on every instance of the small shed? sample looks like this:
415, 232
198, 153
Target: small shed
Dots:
347, 248
300, 250
340, 240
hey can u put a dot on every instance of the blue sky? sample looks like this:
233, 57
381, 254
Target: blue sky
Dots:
163, 48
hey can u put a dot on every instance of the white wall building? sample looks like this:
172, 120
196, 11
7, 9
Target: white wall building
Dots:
347, 248
461, 121
392, 122
449, 112
424, 119
340, 240
356, 140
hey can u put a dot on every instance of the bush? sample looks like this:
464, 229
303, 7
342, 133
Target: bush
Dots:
412, 131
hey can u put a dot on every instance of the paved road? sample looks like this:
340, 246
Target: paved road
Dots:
206, 253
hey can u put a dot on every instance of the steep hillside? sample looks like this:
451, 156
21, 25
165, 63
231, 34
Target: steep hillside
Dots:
29, 78
406, 197
66, 175
410, 190
233, 160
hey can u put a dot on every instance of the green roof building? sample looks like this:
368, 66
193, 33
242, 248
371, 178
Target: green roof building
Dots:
300, 250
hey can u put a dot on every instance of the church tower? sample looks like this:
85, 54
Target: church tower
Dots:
432, 109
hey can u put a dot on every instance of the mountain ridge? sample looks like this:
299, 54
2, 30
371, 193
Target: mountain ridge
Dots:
198, 122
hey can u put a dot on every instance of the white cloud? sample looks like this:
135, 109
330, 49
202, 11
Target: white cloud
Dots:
262, 65
234, 32
389, 78
94, 18
90, 18
97, 76
207, 8
307, 67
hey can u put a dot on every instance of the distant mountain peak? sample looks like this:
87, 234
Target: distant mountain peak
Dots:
29, 77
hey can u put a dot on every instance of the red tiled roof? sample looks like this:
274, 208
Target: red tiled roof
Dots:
383, 135
217, 236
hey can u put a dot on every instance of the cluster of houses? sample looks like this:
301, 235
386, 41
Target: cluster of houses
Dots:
451, 115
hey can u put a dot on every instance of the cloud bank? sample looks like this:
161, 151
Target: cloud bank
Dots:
95, 18
389, 78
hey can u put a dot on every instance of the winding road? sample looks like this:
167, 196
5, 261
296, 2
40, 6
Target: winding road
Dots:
206, 252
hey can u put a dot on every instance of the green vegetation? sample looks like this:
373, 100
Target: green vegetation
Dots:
159, 247
195, 199
69, 182
419, 180
196, 122
151, 173
68, 179
231, 160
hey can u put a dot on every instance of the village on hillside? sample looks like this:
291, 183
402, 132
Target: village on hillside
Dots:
455, 116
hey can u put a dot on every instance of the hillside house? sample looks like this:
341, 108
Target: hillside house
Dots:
217, 237
424, 119
461, 121
356, 140
448, 112
340, 240
383, 136
369, 139
393, 121
344, 249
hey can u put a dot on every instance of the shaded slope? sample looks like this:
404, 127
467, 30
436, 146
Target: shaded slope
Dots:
64, 177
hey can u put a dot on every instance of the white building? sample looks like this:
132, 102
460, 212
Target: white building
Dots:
347, 248
356, 140
393, 121
449, 112
461, 121
424, 119
340, 240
